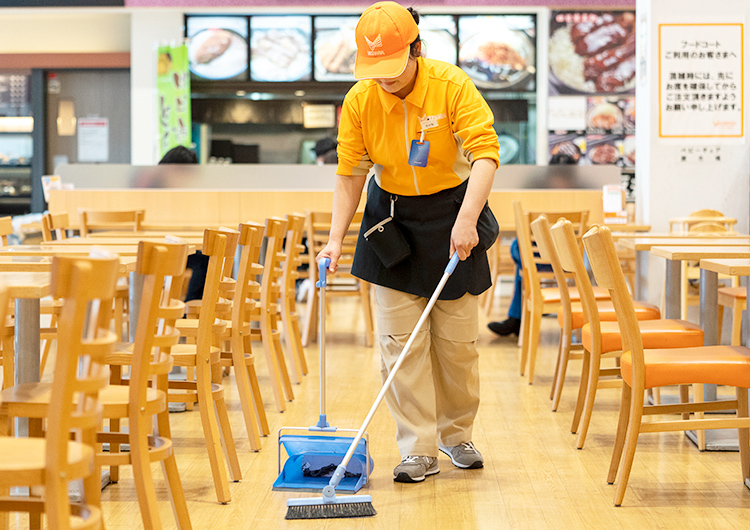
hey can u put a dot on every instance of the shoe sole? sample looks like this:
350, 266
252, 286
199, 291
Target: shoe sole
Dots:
408, 479
474, 465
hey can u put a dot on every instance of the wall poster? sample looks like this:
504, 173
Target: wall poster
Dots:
701, 82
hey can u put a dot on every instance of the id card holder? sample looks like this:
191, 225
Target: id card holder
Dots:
419, 152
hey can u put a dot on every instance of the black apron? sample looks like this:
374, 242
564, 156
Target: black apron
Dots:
426, 222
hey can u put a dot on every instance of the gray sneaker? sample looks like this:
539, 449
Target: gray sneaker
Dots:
415, 468
464, 455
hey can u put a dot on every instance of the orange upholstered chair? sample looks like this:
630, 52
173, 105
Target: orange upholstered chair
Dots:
648, 368
601, 338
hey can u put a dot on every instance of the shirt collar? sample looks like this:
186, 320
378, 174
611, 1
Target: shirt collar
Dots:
416, 97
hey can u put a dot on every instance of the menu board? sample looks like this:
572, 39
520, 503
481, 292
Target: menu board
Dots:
280, 48
335, 48
498, 51
439, 39
592, 52
15, 95
217, 47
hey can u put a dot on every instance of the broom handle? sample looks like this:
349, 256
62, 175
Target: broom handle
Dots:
321, 284
338, 475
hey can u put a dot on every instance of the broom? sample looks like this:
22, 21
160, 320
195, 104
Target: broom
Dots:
330, 506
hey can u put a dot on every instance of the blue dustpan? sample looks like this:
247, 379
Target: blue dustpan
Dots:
313, 453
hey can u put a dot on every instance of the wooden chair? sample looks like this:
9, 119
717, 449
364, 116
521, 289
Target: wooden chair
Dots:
318, 226
600, 334
91, 220
537, 299
237, 351
205, 357
501, 264
572, 315
6, 229
734, 298
288, 296
55, 226
648, 368
66, 453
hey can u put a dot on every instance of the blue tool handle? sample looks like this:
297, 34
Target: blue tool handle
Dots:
322, 268
452, 264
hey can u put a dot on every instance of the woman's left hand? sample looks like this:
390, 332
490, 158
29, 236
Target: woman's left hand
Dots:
464, 237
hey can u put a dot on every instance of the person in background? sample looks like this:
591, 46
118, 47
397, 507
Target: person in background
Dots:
512, 324
424, 127
197, 262
325, 151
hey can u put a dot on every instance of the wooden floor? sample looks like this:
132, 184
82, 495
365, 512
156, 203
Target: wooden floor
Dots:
533, 476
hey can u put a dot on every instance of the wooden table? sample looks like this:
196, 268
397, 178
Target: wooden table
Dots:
63, 250
642, 246
120, 241
143, 234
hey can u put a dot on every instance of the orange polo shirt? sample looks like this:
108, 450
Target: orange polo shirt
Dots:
377, 128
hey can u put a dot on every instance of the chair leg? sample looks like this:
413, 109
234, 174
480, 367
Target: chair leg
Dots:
309, 331
276, 337
535, 326
260, 411
211, 434
700, 433
247, 401
274, 371
744, 437
737, 308
562, 369
622, 428
364, 291
582, 386
631, 441
141, 463
9, 362
227, 440
592, 385
557, 364
295, 367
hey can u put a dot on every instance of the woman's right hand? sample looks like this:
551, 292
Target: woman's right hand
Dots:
332, 250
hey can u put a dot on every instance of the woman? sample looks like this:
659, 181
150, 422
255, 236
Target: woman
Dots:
428, 133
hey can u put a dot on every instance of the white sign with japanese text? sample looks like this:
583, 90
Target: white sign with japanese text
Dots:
701, 85
93, 139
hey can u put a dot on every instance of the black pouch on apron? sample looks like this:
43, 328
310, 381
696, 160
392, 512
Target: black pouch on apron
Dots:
387, 241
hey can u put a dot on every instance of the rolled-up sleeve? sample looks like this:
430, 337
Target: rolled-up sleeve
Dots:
473, 124
353, 157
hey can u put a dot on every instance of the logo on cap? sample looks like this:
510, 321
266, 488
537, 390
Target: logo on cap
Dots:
377, 43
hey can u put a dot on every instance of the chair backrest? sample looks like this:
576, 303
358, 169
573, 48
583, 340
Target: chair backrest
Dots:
606, 266
55, 226
526, 242
548, 252
110, 220
247, 290
706, 213
272, 269
214, 246
161, 264
317, 228
6, 229
706, 227
87, 288
565, 240
292, 255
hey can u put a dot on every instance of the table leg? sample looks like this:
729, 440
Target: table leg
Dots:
709, 305
641, 275
27, 350
672, 286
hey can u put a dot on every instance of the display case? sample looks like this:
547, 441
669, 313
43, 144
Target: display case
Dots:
16, 143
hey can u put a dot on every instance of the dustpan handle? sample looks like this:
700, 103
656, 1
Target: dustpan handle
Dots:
321, 285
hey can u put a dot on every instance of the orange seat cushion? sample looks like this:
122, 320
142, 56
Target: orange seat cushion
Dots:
643, 311
714, 365
654, 333
552, 294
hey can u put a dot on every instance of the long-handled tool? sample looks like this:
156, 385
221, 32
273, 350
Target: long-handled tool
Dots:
314, 452
330, 506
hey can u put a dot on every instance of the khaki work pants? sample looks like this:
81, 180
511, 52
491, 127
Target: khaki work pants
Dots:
435, 394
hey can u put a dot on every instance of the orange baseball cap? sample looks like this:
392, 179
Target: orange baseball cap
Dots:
384, 32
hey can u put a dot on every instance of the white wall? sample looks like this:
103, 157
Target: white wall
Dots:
666, 187
149, 28
64, 31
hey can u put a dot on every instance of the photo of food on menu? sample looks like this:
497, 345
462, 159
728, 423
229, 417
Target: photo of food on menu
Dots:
335, 48
217, 47
592, 52
280, 48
